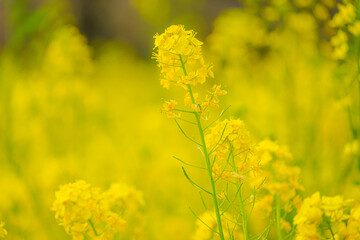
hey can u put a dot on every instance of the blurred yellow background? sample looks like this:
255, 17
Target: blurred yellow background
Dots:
80, 99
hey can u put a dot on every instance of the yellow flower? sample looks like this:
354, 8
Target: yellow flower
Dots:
339, 42
188, 101
354, 223
282, 179
264, 205
310, 212
351, 229
285, 225
334, 207
82, 210
212, 99
74, 206
307, 232
232, 135
355, 28
204, 233
3, 231
309, 215
169, 107
345, 15
179, 57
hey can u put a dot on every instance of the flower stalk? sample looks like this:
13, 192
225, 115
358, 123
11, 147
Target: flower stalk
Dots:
206, 156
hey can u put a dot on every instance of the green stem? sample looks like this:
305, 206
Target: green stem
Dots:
93, 227
278, 217
207, 159
242, 209
331, 231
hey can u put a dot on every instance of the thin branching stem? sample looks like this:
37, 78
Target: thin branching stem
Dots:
188, 164
231, 203
221, 114
195, 184
221, 136
185, 135
203, 221
206, 208
93, 227
241, 202
331, 231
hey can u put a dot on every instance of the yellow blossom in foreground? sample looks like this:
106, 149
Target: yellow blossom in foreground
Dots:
309, 218
353, 225
318, 215
351, 229
333, 207
3, 231
82, 211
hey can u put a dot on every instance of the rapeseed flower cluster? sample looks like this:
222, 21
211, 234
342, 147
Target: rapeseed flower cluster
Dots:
322, 217
347, 23
351, 229
231, 139
177, 46
179, 55
85, 211
282, 179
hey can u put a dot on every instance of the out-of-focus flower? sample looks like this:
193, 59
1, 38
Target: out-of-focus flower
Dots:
207, 221
3, 231
339, 42
318, 215
355, 28
345, 15
82, 211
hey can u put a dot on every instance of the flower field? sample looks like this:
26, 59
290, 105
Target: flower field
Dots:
203, 120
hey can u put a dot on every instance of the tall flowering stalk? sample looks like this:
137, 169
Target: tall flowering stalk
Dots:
180, 59
227, 144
